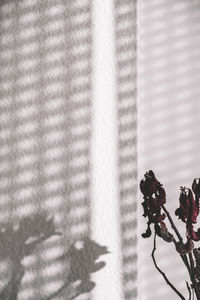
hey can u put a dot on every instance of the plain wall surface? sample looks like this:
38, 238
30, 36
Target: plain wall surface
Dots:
168, 120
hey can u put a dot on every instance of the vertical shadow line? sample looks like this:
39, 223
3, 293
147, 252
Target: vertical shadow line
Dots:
125, 34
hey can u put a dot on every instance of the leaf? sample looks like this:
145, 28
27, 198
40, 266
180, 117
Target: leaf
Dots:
165, 234
162, 231
185, 248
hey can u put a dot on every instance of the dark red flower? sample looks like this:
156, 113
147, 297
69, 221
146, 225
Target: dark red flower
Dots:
154, 197
188, 212
196, 186
196, 190
191, 234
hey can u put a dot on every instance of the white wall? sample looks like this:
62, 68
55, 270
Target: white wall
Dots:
169, 116
105, 210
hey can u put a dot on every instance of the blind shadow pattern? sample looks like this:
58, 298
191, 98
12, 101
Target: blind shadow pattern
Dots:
45, 49
168, 91
125, 26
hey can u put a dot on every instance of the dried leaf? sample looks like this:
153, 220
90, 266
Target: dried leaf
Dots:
185, 248
165, 234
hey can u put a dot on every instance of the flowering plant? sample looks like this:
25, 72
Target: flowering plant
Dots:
155, 211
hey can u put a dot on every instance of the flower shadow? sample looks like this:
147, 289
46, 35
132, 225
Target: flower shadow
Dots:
21, 240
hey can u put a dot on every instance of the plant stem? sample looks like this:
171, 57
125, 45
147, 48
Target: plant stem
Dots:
172, 223
192, 276
162, 273
190, 267
184, 257
189, 290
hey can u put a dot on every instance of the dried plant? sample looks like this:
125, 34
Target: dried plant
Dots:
18, 242
155, 211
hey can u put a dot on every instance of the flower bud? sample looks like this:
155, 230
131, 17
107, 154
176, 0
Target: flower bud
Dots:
196, 187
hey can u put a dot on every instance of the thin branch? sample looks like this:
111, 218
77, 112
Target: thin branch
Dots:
191, 263
172, 223
185, 260
193, 277
184, 257
162, 273
189, 290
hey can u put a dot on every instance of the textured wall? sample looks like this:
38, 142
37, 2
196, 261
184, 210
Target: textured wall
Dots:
45, 49
114, 146
126, 71
168, 97
55, 153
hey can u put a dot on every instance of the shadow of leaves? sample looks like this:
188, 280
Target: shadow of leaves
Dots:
83, 257
19, 241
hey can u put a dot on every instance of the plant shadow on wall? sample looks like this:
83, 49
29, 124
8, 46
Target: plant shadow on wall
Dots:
19, 242
156, 212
